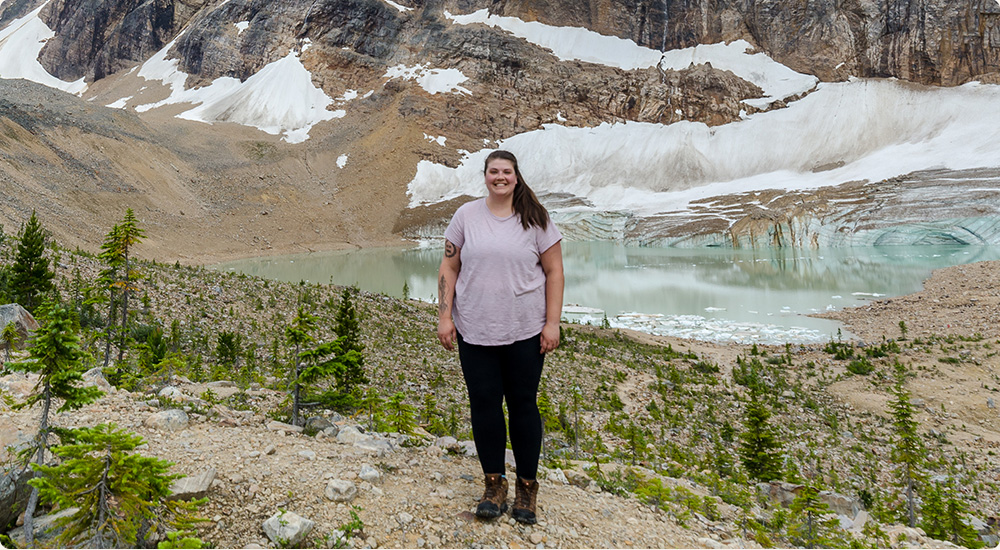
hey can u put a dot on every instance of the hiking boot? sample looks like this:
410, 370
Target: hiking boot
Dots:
494, 501
525, 498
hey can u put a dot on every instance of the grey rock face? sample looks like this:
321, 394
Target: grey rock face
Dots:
23, 321
287, 529
172, 420
14, 491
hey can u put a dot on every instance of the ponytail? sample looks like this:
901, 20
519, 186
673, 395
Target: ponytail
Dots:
526, 204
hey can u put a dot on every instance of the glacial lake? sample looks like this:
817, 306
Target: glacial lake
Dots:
713, 294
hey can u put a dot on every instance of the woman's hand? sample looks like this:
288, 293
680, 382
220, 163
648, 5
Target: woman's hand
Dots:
550, 337
447, 333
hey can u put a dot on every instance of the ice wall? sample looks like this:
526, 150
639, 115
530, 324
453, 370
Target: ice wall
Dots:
858, 130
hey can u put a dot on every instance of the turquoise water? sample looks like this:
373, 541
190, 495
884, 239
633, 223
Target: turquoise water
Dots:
711, 294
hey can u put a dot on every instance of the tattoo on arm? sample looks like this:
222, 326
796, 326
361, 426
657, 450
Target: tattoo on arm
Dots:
450, 249
442, 301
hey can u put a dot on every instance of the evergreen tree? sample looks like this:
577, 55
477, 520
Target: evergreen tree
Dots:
55, 356
933, 513
298, 334
325, 361
907, 450
121, 495
760, 449
372, 402
30, 276
110, 279
815, 528
347, 325
129, 234
400, 414
956, 516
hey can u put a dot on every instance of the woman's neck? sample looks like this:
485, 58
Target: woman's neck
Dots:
500, 207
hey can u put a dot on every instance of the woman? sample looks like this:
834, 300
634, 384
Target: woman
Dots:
500, 291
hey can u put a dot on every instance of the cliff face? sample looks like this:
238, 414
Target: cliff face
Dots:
937, 42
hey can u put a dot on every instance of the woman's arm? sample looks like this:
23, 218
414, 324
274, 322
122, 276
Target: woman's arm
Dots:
447, 276
552, 265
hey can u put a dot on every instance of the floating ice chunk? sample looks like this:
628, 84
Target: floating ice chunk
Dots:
710, 308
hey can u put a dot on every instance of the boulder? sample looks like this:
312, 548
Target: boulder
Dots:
14, 491
370, 474
95, 377
841, 504
377, 447
171, 392
340, 490
317, 423
287, 529
192, 487
23, 321
45, 529
780, 492
170, 420
276, 426
351, 435
18, 385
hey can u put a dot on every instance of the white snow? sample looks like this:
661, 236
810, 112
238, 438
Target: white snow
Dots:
776, 80
440, 140
878, 128
404, 8
21, 43
342, 161
574, 43
119, 104
241, 26
279, 99
433, 81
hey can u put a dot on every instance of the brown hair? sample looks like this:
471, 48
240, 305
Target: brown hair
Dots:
526, 204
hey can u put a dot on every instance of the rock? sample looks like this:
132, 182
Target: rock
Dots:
468, 448
171, 392
351, 435
170, 420
331, 431
95, 377
404, 518
45, 528
707, 542
909, 534
370, 474
536, 538
276, 426
446, 442
287, 529
860, 520
14, 491
340, 490
269, 450
990, 403
23, 321
846, 523
192, 487
841, 504
558, 476
221, 384
378, 447
780, 492
317, 423
577, 478
18, 385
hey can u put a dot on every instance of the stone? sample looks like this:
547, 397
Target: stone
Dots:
170, 420
192, 487
577, 478
14, 491
317, 423
536, 538
707, 542
351, 435
558, 476
377, 447
45, 527
404, 518
990, 403
171, 392
841, 504
846, 523
95, 377
24, 323
269, 450
341, 490
331, 431
287, 529
370, 474
276, 426
221, 384
308, 454
860, 521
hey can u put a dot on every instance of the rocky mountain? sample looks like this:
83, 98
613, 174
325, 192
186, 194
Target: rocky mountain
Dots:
372, 98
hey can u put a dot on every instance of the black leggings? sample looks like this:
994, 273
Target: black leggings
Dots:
493, 374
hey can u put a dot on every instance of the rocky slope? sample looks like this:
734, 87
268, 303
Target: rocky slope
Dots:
419, 491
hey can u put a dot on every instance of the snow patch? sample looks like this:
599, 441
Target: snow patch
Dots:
120, 104
342, 161
241, 26
439, 139
404, 8
279, 99
21, 43
433, 81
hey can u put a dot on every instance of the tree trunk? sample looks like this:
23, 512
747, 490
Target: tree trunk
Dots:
43, 443
295, 390
128, 283
910, 511
111, 324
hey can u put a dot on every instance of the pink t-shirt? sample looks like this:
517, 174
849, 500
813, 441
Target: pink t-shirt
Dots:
500, 293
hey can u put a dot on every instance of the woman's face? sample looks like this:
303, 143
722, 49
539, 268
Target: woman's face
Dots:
500, 178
